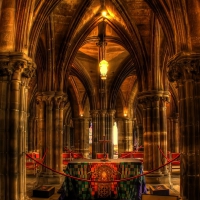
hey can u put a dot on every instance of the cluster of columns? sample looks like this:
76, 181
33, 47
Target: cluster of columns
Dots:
49, 115
155, 129
184, 68
81, 135
173, 134
15, 72
125, 134
102, 125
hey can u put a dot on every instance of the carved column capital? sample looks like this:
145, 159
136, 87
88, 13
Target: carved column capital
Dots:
94, 113
5, 68
184, 65
147, 98
48, 99
60, 101
16, 62
111, 112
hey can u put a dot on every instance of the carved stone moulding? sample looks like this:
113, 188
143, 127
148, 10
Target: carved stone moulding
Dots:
151, 96
184, 65
10, 62
52, 97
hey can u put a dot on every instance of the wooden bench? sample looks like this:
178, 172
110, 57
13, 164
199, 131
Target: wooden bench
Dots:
101, 155
176, 163
31, 165
66, 158
137, 155
77, 155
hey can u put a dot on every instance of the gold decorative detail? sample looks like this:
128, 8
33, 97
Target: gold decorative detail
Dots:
104, 172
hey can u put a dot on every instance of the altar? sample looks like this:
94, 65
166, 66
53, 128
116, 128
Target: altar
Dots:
97, 179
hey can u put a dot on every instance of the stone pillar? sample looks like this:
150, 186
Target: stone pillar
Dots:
16, 69
110, 133
7, 24
84, 136
126, 134
163, 130
50, 122
140, 134
66, 136
184, 68
121, 135
77, 135
102, 129
48, 142
155, 129
32, 137
169, 135
176, 134
59, 101
95, 139
40, 126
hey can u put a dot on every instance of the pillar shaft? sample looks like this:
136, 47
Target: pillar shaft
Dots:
49, 115
110, 132
184, 69
15, 73
4, 101
7, 23
155, 129
95, 139
49, 132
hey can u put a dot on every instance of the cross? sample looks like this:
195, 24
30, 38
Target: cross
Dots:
104, 141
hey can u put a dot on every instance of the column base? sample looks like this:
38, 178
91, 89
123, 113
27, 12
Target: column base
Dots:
27, 198
157, 178
50, 179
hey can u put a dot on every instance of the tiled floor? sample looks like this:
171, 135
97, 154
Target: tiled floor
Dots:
31, 183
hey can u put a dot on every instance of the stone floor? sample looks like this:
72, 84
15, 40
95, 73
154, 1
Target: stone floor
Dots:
32, 182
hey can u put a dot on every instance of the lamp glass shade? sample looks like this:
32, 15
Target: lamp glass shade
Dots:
103, 68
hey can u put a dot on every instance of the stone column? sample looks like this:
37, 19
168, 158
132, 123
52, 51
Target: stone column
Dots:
40, 113
169, 134
32, 137
58, 102
50, 131
66, 136
176, 134
155, 129
77, 134
102, 129
7, 24
110, 133
15, 72
140, 133
95, 139
126, 134
163, 130
184, 68
48, 140
81, 135
121, 135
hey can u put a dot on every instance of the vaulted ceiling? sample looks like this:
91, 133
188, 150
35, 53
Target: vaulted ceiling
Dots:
68, 42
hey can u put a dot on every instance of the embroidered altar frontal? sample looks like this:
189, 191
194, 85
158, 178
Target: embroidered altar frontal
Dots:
109, 171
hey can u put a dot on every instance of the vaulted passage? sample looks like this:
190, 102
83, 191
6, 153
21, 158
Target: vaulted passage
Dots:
99, 79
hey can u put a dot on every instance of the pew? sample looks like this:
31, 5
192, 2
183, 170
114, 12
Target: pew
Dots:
101, 155
77, 155
126, 155
139, 155
176, 163
31, 165
136, 155
66, 158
